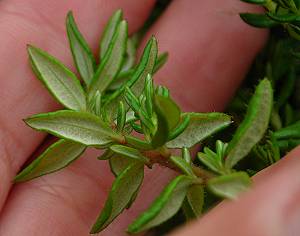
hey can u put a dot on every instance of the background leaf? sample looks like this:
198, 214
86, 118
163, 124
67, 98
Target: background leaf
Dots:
254, 125
258, 20
59, 80
80, 127
57, 156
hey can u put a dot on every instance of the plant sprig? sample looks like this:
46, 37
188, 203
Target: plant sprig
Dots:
114, 99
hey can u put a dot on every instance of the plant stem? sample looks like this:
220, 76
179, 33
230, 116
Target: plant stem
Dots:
156, 157
202, 173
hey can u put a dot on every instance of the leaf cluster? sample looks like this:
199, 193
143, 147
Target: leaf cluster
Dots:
112, 104
113, 99
285, 13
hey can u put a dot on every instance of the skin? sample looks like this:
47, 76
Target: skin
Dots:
210, 51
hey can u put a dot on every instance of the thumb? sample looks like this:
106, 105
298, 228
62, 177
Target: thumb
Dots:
271, 208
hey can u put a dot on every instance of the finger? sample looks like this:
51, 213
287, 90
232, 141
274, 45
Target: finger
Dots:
210, 51
41, 23
68, 184
271, 208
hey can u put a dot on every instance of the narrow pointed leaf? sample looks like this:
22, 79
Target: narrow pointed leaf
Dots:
168, 116
182, 165
145, 67
121, 118
136, 83
124, 188
210, 162
82, 54
112, 61
288, 132
194, 201
106, 155
253, 127
161, 61
129, 152
165, 205
183, 124
130, 56
80, 127
109, 32
261, 2
57, 156
284, 18
201, 126
258, 20
59, 80
119, 163
230, 186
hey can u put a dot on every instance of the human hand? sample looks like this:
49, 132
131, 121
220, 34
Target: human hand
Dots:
210, 51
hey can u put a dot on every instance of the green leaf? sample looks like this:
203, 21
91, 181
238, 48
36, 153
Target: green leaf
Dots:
80, 127
129, 152
161, 61
121, 118
82, 54
194, 201
94, 105
59, 80
215, 160
184, 122
293, 30
211, 162
258, 20
119, 163
287, 88
149, 92
138, 143
135, 105
283, 18
168, 116
130, 56
162, 91
57, 156
201, 126
145, 67
289, 132
182, 165
112, 61
254, 125
229, 186
124, 188
186, 155
261, 2
165, 206
106, 155
109, 32
288, 144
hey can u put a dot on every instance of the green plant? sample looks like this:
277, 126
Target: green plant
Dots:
115, 98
